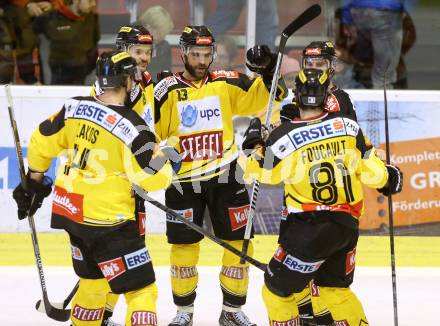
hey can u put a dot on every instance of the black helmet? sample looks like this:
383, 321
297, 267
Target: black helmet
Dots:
311, 87
320, 50
196, 36
132, 34
113, 68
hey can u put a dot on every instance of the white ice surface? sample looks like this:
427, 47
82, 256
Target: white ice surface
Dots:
418, 295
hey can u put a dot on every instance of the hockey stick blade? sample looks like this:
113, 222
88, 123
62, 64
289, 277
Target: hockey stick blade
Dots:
308, 15
41, 308
60, 305
53, 311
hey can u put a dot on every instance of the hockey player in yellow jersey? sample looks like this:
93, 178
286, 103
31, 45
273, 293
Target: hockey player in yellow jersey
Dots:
194, 112
109, 148
137, 41
323, 160
319, 55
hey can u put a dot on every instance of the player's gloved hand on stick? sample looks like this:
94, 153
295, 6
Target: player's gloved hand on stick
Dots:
395, 181
255, 134
261, 60
24, 193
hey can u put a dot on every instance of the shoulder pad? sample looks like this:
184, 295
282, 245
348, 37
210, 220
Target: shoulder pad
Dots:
161, 88
215, 74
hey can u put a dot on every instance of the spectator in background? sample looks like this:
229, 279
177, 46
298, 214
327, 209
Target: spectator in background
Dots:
226, 52
73, 32
362, 52
17, 34
159, 22
379, 22
289, 69
228, 11
6, 45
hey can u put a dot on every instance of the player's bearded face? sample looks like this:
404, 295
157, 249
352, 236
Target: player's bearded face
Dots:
198, 60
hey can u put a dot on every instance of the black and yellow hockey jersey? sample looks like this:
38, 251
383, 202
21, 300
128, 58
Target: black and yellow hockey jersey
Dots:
107, 148
197, 118
323, 163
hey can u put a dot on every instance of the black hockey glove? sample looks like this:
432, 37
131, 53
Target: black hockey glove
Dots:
24, 193
395, 181
255, 134
289, 112
261, 60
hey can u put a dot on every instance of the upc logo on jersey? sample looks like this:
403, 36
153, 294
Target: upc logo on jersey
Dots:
112, 268
143, 318
201, 146
280, 254
200, 115
189, 116
350, 261
137, 258
238, 216
186, 213
85, 314
342, 323
76, 253
297, 265
68, 204
190, 113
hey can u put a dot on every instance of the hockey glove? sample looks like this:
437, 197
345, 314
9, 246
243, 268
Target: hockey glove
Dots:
255, 134
24, 194
261, 60
395, 181
289, 112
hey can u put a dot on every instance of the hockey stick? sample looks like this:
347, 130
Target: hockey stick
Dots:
61, 305
51, 311
198, 229
308, 15
390, 204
